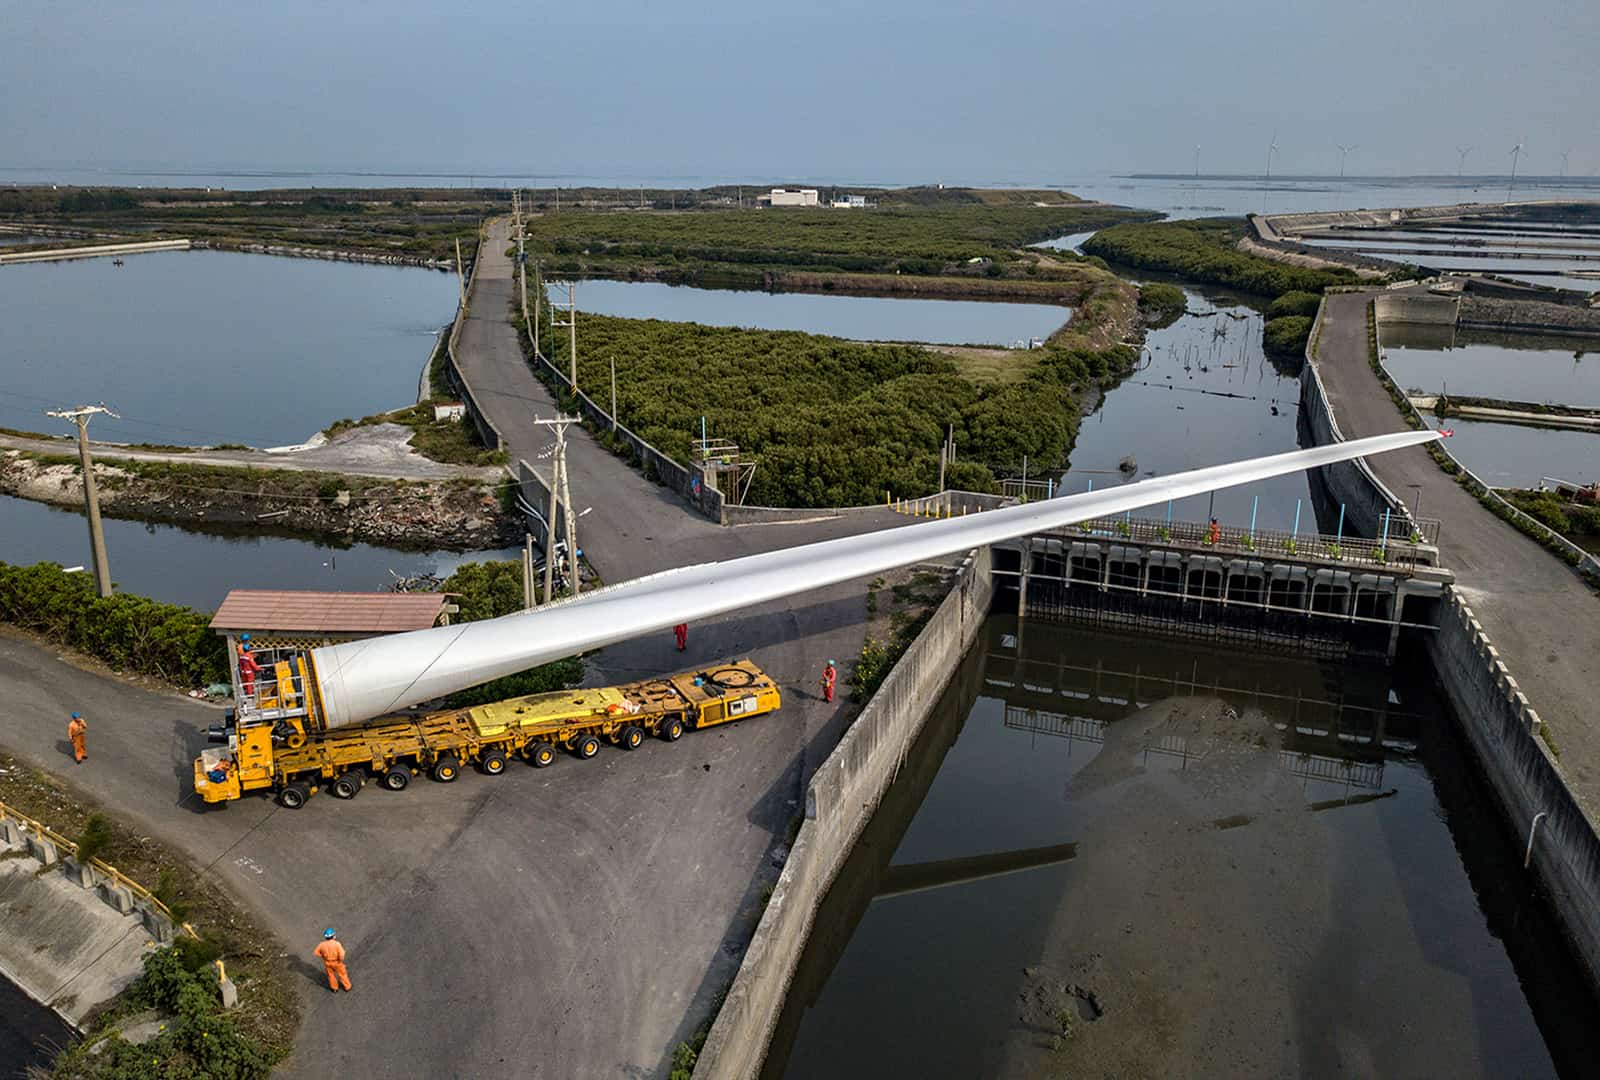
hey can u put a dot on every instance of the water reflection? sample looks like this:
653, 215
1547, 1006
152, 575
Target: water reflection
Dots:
862, 318
1122, 840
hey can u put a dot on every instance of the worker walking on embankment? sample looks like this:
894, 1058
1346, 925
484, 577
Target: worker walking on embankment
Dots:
76, 730
830, 675
331, 952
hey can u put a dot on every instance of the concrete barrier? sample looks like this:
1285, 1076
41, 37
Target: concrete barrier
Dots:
94, 252
1504, 735
488, 434
840, 800
1425, 310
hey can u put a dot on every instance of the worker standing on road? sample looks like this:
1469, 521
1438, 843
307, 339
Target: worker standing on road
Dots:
681, 632
332, 955
76, 729
248, 669
830, 675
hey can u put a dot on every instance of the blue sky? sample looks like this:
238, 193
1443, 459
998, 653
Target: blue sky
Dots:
890, 91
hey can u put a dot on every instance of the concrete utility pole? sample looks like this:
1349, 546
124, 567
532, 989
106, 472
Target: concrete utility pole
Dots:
91, 497
613, 393
560, 493
572, 328
461, 274
538, 301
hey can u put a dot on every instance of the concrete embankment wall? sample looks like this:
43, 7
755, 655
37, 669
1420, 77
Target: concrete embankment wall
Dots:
840, 801
1531, 316
1503, 733
487, 432
1421, 309
72, 936
94, 252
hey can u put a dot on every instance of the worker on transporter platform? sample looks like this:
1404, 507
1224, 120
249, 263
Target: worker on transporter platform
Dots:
76, 730
681, 633
830, 674
248, 668
331, 952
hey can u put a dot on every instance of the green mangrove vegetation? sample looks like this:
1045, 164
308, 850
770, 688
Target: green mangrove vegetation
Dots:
832, 422
1203, 250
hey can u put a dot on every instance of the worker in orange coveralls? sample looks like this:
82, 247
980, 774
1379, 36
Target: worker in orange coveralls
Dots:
76, 729
829, 675
332, 955
681, 632
248, 669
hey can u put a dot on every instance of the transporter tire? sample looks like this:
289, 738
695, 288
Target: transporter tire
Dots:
671, 729
586, 747
632, 737
348, 785
446, 769
294, 796
541, 755
493, 763
397, 778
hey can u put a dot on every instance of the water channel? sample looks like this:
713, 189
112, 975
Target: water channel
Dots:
1118, 856
860, 318
198, 347
186, 566
29, 1035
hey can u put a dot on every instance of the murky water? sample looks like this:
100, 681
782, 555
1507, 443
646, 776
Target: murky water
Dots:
194, 347
30, 1034
1312, 881
1510, 455
1207, 395
862, 318
198, 568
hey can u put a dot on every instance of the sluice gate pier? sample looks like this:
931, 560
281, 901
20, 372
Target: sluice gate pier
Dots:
1328, 595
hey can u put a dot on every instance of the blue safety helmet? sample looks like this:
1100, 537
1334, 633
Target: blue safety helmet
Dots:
328, 933
244, 637
75, 716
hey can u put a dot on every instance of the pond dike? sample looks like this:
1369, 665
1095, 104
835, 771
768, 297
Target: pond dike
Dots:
1512, 605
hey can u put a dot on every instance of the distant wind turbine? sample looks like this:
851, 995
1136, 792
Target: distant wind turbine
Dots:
1516, 152
1344, 152
1197, 159
1462, 160
1564, 155
1272, 148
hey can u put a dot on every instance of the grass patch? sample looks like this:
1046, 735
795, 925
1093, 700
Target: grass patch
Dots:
1203, 250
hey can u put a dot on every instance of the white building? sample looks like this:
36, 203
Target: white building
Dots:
783, 197
849, 202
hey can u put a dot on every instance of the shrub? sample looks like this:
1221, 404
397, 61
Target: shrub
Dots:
1162, 304
1287, 335
1294, 303
130, 633
94, 838
1203, 250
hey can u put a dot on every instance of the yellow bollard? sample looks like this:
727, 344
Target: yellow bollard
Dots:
886, 499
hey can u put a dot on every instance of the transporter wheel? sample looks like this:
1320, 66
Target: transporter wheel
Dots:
671, 729
348, 785
541, 755
446, 769
493, 763
397, 778
586, 747
294, 796
632, 737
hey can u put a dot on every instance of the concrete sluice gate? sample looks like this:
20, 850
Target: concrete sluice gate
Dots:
1280, 602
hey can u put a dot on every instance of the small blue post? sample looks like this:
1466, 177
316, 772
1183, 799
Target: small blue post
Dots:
702, 433
1340, 538
1091, 484
1383, 543
1049, 487
1297, 518
1254, 502
1169, 513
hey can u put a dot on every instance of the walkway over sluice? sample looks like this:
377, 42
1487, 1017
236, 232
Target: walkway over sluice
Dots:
1330, 595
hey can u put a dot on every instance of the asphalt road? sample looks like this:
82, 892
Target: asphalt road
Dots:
575, 921
1543, 620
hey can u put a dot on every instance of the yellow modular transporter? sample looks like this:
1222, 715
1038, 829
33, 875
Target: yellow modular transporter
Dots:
279, 744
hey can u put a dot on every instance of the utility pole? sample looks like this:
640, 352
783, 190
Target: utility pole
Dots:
529, 598
91, 497
947, 453
461, 275
538, 301
613, 393
560, 493
571, 325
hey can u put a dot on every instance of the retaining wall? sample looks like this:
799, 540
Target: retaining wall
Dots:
1504, 735
840, 800
1350, 483
487, 432
1413, 308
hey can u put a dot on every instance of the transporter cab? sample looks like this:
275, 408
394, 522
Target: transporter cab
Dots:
277, 741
